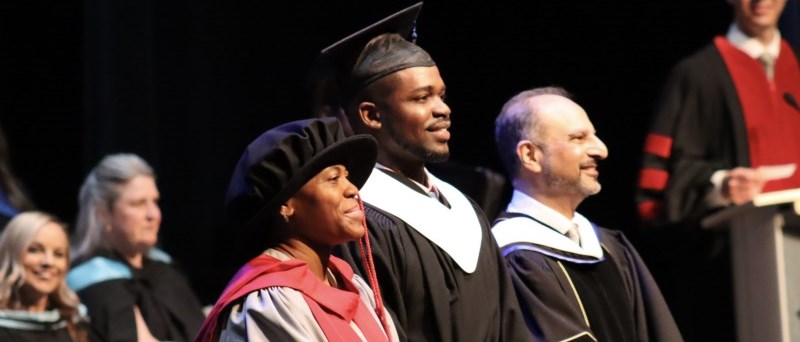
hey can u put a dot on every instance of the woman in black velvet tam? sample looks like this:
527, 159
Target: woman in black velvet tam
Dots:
295, 192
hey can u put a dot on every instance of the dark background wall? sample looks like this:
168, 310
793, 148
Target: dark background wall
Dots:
187, 84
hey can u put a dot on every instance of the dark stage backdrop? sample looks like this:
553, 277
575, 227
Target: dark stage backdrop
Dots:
187, 84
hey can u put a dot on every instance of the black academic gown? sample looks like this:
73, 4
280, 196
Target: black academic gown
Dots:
16, 335
167, 303
38, 327
700, 111
430, 296
565, 297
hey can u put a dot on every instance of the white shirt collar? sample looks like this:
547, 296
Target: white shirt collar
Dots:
751, 46
425, 187
513, 230
522, 203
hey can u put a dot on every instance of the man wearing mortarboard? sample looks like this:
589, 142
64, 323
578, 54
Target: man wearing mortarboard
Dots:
438, 267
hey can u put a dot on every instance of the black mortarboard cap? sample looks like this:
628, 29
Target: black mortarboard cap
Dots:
354, 67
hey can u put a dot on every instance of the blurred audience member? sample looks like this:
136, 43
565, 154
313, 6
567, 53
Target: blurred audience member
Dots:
12, 197
131, 289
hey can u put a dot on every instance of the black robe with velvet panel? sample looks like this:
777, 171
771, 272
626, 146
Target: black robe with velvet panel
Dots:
612, 300
431, 297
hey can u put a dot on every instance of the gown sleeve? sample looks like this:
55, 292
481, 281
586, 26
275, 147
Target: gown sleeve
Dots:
691, 136
272, 314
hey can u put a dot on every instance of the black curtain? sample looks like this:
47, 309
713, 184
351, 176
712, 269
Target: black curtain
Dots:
187, 84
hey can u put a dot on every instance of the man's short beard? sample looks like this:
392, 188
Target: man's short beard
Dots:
427, 156
568, 185
556, 181
417, 150
437, 157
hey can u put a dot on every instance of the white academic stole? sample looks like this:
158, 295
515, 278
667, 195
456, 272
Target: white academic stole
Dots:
456, 230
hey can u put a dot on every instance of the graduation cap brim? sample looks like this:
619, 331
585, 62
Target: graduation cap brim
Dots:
336, 62
401, 22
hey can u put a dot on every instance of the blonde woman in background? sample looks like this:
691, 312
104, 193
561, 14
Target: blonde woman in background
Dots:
35, 302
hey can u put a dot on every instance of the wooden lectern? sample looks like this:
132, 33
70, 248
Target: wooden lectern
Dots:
765, 243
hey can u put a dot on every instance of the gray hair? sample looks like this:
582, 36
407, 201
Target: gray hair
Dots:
16, 238
517, 122
101, 188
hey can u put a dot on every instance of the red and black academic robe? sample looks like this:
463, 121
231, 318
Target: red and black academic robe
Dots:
700, 126
333, 308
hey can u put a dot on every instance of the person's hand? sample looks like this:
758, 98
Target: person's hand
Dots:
742, 184
142, 331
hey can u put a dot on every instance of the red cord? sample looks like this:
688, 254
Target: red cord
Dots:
366, 256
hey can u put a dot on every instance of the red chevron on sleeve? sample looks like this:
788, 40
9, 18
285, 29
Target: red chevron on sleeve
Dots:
649, 210
653, 179
658, 144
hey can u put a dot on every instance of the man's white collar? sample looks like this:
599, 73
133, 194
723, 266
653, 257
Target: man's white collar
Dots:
456, 230
751, 46
549, 233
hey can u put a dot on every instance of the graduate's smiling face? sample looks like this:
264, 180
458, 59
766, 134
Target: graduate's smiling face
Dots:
569, 149
45, 261
754, 16
412, 120
325, 211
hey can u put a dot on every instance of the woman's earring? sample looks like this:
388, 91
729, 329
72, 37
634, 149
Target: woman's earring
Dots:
285, 217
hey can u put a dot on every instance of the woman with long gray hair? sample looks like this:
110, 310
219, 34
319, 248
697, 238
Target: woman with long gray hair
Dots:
131, 289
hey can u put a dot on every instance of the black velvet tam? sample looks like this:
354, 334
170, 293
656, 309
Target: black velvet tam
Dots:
280, 161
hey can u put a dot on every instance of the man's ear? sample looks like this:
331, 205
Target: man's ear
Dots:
369, 115
530, 156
